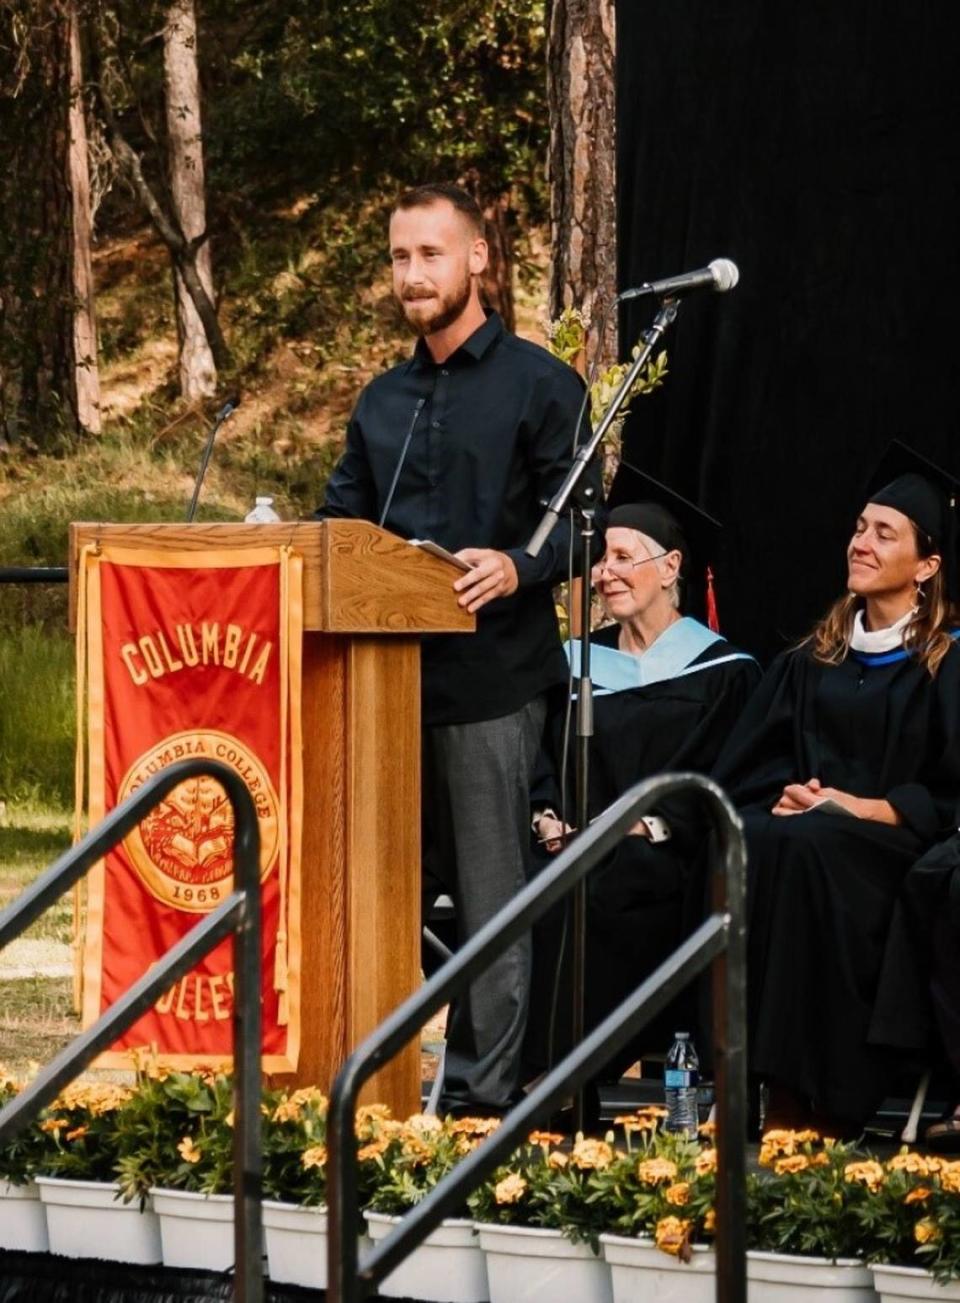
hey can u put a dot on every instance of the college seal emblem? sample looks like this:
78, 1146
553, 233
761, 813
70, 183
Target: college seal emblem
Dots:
183, 849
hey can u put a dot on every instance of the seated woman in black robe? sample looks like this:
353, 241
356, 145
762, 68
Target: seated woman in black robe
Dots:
667, 692
846, 766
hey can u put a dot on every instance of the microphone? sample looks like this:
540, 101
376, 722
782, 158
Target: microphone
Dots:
420, 404
721, 275
229, 407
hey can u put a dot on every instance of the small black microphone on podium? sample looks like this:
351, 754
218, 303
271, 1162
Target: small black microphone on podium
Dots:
228, 409
721, 275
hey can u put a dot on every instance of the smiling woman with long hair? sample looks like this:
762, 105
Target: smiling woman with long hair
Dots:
846, 767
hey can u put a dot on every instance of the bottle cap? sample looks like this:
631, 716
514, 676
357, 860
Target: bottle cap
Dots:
264, 502
681, 1036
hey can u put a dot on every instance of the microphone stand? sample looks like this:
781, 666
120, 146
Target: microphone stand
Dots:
229, 407
581, 497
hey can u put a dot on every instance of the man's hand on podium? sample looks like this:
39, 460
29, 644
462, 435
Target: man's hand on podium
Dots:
493, 574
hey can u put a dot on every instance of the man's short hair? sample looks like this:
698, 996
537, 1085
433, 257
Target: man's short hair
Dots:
424, 196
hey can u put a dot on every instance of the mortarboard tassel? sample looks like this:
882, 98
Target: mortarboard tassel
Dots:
713, 620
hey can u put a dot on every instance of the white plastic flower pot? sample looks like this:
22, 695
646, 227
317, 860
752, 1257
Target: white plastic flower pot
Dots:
787, 1278
528, 1264
88, 1219
296, 1242
642, 1273
894, 1284
196, 1230
23, 1221
448, 1267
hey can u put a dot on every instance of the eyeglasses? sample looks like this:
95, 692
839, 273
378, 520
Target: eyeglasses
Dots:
621, 568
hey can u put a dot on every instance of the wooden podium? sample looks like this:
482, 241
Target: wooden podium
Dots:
368, 595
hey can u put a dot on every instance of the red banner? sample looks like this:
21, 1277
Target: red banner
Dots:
193, 655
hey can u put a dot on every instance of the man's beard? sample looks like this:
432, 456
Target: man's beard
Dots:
448, 309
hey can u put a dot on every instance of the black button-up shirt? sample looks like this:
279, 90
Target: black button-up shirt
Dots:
492, 440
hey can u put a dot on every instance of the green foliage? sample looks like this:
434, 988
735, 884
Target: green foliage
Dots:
407, 1160
567, 339
177, 1132
37, 713
19, 1157
294, 1146
802, 1202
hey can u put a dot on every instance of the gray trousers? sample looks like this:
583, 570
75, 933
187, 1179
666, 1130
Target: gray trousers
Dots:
476, 845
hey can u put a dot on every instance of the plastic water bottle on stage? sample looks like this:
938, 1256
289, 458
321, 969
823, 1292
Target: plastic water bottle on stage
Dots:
681, 1075
262, 513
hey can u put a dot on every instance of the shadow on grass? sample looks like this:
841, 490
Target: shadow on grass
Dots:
34, 848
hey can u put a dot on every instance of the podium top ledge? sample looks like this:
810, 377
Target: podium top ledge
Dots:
357, 578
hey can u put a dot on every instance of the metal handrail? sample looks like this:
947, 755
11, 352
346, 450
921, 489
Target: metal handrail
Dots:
34, 574
240, 915
720, 940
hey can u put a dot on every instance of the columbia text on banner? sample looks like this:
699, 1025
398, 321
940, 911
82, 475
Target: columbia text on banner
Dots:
192, 655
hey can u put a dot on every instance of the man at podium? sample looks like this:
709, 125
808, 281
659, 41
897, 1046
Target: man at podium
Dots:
461, 444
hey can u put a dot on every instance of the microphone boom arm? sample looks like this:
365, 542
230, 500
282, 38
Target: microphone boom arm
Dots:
665, 317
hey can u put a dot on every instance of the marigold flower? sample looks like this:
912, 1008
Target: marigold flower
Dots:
920, 1194
868, 1173
779, 1142
672, 1234
707, 1129
510, 1190
590, 1154
820, 1160
706, 1162
56, 1125
370, 1153
558, 1160
545, 1138
315, 1156
925, 1231
473, 1126
807, 1137
710, 1221
790, 1164
188, 1151
654, 1171
678, 1194
652, 1110
906, 1161
950, 1178
313, 1096
369, 1118
417, 1152
423, 1124
288, 1110
77, 1133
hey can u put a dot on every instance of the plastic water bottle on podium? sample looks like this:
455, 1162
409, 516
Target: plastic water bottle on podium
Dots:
681, 1076
262, 513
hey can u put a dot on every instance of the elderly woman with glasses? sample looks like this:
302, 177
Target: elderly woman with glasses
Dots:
667, 691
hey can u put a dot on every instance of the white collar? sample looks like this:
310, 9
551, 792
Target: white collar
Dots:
879, 640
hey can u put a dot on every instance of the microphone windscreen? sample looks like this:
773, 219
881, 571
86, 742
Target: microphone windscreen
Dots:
725, 274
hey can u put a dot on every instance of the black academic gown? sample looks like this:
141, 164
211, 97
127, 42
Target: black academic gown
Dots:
822, 887
639, 898
918, 1006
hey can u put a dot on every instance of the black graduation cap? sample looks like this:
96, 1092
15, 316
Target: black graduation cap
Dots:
638, 501
928, 495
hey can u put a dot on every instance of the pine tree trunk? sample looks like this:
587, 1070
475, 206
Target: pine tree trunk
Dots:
198, 373
497, 281
46, 392
582, 163
86, 374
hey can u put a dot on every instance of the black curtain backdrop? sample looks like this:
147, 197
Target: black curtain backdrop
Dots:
817, 146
